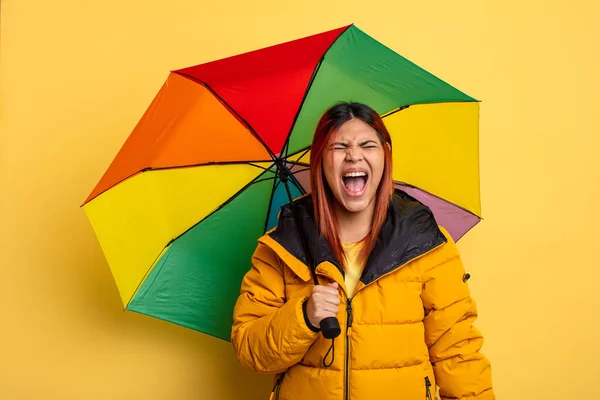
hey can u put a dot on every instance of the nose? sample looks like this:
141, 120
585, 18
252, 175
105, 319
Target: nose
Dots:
354, 154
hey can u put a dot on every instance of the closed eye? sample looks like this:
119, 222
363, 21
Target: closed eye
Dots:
369, 144
339, 146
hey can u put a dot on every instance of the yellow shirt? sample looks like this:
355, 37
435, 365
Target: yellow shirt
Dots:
354, 268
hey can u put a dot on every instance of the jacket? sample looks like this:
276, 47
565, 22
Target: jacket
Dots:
407, 329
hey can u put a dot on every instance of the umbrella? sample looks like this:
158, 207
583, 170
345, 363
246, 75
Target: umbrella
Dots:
225, 144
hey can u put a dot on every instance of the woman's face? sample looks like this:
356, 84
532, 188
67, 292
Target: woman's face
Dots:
353, 163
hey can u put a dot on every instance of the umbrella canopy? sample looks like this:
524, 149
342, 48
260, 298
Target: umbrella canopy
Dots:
179, 210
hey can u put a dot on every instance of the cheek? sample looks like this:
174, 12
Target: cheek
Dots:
377, 165
329, 169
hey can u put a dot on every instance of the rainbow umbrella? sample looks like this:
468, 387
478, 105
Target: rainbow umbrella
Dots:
180, 208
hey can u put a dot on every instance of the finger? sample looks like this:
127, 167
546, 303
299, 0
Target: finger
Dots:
322, 304
331, 309
327, 289
326, 313
335, 300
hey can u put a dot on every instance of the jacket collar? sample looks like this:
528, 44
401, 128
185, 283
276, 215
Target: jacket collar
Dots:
409, 231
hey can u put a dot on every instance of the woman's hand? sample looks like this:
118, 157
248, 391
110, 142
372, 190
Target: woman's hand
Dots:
322, 303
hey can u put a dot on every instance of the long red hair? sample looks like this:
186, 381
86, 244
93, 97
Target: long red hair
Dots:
322, 195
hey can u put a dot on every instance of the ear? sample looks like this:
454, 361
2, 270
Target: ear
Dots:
388, 145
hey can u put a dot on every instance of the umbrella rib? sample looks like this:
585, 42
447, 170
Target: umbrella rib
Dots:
312, 79
252, 182
139, 285
424, 103
308, 87
260, 166
302, 170
298, 186
261, 180
149, 169
304, 149
408, 185
249, 162
298, 162
394, 111
301, 164
275, 181
229, 200
232, 111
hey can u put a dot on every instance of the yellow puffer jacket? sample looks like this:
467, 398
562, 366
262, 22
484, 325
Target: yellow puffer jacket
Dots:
407, 328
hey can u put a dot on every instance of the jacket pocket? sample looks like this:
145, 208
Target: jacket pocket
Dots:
428, 395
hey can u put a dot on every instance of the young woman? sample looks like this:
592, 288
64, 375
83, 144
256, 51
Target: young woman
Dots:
392, 277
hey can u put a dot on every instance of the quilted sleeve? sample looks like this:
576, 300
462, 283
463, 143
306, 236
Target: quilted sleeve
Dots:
269, 334
461, 370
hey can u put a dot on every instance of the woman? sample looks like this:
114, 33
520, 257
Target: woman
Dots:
387, 271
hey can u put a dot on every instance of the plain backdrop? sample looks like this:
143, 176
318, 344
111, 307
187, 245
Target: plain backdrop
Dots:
76, 76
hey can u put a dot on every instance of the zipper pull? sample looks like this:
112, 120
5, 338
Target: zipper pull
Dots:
350, 316
275, 391
427, 388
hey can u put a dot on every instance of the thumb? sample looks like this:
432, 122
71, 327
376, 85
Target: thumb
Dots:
333, 285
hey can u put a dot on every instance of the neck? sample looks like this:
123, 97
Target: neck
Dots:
354, 226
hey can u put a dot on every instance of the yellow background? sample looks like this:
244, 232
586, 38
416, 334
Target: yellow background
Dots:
77, 75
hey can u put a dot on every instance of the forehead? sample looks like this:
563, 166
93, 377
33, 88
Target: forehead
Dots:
354, 130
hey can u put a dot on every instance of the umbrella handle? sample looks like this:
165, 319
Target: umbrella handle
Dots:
330, 327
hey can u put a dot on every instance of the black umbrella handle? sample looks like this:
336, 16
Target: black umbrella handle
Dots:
330, 326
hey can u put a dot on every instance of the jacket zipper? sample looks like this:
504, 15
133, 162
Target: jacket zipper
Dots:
428, 388
348, 334
276, 388
350, 318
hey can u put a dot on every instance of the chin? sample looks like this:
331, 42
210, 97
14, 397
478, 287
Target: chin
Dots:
355, 206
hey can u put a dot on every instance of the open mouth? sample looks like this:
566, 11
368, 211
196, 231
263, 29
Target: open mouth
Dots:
355, 182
